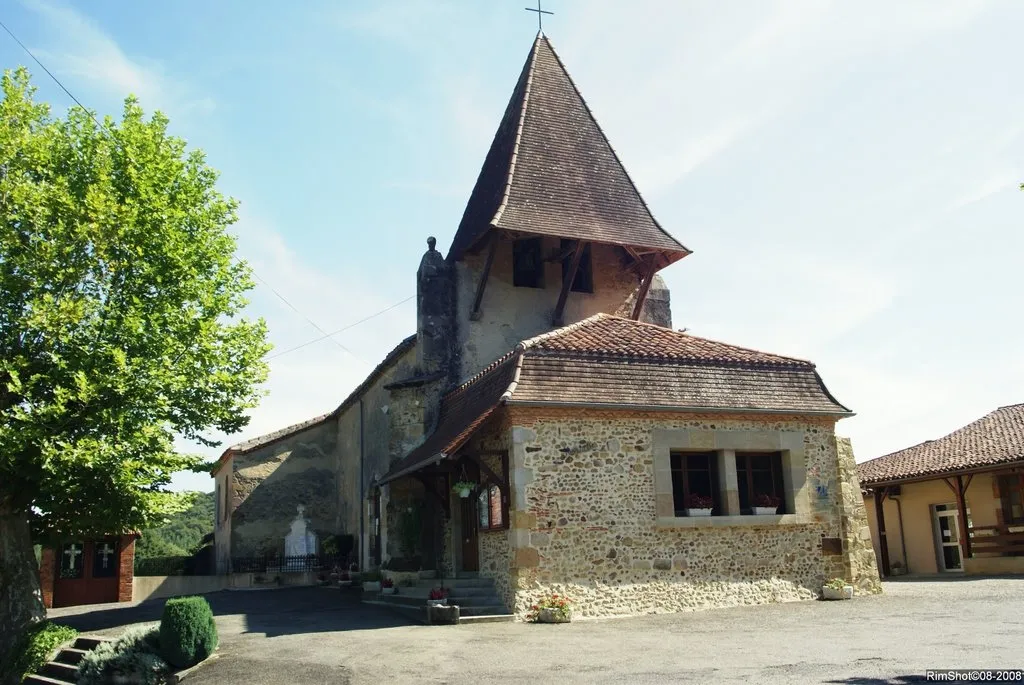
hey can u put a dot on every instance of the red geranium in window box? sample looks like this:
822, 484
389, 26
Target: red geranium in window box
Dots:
765, 504
699, 505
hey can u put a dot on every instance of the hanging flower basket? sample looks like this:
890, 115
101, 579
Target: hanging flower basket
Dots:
463, 488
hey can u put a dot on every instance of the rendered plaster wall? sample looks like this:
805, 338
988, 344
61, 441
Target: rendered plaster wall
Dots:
377, 416
509, 314
269, 483
918, 529
222, 512
586, 520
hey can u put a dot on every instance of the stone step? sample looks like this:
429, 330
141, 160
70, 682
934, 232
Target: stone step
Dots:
485, 610
70, 655
86, 643
486, 618
44, 680
472, 591
457, 582
59, 671
491, 600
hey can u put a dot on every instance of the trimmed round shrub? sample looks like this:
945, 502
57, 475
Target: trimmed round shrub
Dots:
188, 633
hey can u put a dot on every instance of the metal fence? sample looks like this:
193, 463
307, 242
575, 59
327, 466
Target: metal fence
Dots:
283, 564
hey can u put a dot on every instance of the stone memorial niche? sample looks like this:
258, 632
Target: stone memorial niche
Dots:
300, 541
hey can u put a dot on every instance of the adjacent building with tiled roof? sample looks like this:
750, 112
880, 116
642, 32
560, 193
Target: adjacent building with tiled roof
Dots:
952, 504
598, 451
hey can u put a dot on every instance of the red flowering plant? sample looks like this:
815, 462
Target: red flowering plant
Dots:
387, 582
559, 604
696, 501
766, 500
439, 593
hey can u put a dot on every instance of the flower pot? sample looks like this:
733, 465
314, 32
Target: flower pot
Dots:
698, 512
765, 511
846, 592
344, 583
463, 493
371, 586
437, 602
551, 616
389, 590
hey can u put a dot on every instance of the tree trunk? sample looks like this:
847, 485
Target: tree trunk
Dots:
21, 602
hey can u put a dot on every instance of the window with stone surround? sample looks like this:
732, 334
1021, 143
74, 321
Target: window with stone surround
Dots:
527, 263
759, 481
491, 509
695, 477
719, 455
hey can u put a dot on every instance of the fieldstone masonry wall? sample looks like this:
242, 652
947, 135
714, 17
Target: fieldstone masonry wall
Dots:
860, 566
585, 518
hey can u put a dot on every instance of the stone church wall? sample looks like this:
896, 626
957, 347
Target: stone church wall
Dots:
377, 417
510, 315
269, 483
585, 518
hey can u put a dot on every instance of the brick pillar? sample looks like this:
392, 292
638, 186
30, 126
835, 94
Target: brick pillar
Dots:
126, 568
47, 574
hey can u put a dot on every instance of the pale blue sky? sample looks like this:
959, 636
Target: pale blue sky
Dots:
846, 173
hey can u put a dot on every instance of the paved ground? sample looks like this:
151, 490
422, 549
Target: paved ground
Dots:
318, 635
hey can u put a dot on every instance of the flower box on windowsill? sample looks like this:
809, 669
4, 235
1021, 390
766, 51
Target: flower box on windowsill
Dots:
698, 512
765, 511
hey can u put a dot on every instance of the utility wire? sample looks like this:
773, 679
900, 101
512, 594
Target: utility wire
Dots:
267, 285
340, 330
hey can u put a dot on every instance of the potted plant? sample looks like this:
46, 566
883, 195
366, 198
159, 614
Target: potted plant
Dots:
551, 609
438, 597
766, 505
897, 568
837, 588
344, 579
699, 505
463, 487
371, 581
387, 587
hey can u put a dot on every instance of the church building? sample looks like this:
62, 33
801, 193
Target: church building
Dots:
546, 427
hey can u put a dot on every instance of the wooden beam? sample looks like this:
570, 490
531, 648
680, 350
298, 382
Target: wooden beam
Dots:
645, 286
883, 543
567, 280
491, 250
961, 505
428, 486
498, 480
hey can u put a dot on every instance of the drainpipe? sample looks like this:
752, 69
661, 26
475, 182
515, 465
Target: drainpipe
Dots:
362, 491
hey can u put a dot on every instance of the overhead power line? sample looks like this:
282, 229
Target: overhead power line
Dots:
341, 330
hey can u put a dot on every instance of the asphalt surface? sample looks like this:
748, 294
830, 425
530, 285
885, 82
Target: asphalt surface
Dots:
320, 635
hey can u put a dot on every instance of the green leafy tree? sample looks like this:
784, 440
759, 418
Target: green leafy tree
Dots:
120, 326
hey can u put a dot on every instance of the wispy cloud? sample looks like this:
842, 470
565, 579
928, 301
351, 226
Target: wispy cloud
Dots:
91, 56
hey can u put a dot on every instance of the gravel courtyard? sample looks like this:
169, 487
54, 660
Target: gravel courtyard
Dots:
317, 635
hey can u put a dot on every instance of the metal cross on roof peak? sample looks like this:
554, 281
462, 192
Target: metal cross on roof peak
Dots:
540, 15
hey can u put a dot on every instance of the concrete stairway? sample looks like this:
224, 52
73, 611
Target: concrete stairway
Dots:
476, 598
63, 670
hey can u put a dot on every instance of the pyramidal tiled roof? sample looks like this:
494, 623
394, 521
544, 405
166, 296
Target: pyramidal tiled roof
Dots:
612, 362
996, 438
551, 171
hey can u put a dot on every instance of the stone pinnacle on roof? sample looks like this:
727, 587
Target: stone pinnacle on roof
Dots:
551, 171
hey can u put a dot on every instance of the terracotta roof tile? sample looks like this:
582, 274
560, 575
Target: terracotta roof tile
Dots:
996, 438
610, 361
551, 171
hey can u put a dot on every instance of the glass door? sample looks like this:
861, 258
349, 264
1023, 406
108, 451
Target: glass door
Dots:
947, 538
